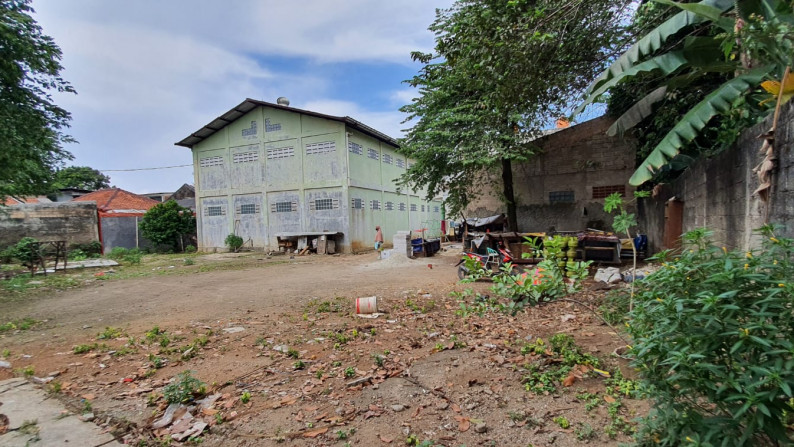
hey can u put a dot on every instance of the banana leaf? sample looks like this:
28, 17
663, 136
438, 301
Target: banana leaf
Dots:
636, 113
694, 121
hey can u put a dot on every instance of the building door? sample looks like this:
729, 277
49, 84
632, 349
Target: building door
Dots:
673, 224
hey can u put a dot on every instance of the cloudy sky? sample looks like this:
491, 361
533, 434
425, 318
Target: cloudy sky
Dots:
150, 72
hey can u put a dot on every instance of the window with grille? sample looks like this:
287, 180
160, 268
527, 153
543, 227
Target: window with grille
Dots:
323, 204
400, 163
413, 207
374, 204
355, 148
280, 152
387, 159
401, 207
408, 165
248, 208
373, 154
389, 206
211, 161
214, 211
245, 157
284, 207
357, 204
561, 197
601, 192
436, 209
320, 148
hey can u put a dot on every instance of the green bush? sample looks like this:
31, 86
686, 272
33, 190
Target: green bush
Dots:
77, 255
190, 249
168, 224
92, 249
234, 242
26, 251
7, 255
713, 337
184, 388
133, 256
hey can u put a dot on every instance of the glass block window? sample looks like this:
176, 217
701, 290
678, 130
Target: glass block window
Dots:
387, 159
401, 206
389, 206
320, 148
413, 207
561, 197
373, 154
211, 161
400, 163
357, 204
284, 207
323, 204
245, 157
601, 192
280, 152
248, 208
374, 204
355, 148
214, 211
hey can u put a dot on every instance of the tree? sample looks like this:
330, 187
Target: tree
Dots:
757, 43
81, 177
31, 125
168, 223
499, 72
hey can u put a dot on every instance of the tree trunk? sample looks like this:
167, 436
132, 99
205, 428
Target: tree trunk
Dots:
509, 197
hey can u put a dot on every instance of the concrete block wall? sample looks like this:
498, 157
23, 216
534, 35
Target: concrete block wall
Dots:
75, 222
574, 159
718, 193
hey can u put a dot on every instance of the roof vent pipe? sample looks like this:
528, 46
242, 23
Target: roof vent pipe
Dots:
282, 101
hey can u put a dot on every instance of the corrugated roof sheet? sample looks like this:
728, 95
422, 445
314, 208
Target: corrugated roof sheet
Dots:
250, 104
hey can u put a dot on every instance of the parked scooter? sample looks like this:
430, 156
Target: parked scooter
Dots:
493, 260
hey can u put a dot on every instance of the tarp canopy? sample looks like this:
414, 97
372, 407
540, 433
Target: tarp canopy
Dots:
476, 222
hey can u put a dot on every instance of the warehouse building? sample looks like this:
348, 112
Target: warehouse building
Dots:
278, 176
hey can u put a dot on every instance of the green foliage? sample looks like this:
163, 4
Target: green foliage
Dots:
184, 388
694, 67
117, 253
27, 252
499, 70
714, 341
30, 123
349, 372
190, 249
110, 333
22, 325
234, 242
562, 421
189, 261
80, 177
168, 224
245, 397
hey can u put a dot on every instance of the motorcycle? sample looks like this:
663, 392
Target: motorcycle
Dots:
493, 260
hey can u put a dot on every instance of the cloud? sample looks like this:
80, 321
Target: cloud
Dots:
148, 73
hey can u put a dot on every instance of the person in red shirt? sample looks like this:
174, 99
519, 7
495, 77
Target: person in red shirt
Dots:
378, 240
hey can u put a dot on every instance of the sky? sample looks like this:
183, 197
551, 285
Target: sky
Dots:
150, 72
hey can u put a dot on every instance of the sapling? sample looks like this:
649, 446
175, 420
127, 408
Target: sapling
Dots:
623, 223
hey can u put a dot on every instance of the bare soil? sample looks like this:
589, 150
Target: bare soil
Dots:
427, 372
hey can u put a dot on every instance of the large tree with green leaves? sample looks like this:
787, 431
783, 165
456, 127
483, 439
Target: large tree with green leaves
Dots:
81, 177
31, 124
501, 70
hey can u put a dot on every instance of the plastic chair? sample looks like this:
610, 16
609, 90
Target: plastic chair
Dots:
493, 256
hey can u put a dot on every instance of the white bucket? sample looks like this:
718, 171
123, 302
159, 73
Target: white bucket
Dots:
367, 305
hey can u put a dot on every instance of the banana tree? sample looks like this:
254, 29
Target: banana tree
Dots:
752, 38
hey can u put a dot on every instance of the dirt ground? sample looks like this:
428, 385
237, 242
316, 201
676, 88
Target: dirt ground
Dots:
287, 360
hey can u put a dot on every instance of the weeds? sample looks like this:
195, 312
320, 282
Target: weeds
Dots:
184, 388
22, 325
110, 333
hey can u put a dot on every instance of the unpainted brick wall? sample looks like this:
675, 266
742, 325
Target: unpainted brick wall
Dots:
75, 222
718, 192
573, 159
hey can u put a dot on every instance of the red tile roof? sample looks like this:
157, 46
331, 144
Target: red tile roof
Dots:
116, 200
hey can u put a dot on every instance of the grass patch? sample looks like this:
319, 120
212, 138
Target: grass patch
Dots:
22, 325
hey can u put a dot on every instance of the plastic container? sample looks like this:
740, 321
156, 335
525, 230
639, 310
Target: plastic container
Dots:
367, 305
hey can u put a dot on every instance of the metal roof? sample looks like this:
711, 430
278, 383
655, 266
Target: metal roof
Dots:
250, 104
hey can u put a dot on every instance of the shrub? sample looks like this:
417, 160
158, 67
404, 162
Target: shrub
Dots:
714, 340
190, 249
91, 249
133, 256
167, 224
234, 242
184, 388
77, 255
